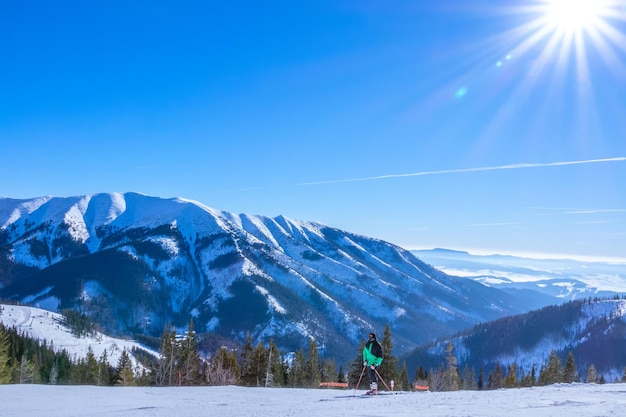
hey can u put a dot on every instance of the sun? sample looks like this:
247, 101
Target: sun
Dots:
565, 28
562, 49
574, 15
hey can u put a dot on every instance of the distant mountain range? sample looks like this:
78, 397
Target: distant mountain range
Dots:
135, 263
582, 314
563, 279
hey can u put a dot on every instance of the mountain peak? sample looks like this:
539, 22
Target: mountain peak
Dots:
135, 263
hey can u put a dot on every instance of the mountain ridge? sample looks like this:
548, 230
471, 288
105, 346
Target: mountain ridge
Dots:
134, 263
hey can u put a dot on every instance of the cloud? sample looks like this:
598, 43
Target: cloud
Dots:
576, 211
459, 171
592, 211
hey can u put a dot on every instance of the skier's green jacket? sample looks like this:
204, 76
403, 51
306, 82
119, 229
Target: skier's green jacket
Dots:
372, 352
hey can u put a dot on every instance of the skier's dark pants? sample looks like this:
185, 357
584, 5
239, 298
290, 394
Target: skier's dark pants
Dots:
372, 374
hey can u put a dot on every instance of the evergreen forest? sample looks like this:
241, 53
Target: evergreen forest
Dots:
181, 362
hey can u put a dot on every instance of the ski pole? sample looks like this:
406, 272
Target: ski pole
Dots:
359, 381
381, 378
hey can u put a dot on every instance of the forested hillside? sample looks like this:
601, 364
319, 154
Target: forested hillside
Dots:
592, 330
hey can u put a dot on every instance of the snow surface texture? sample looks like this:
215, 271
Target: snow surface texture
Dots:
580, 400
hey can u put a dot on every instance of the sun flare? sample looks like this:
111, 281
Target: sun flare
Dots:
566, 28
567, 55
574, 15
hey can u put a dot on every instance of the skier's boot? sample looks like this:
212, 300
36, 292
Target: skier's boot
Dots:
373, 389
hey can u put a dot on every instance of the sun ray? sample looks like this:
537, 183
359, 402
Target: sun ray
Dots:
582, 65
605, 39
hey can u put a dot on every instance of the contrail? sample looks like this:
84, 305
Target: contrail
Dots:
457, 171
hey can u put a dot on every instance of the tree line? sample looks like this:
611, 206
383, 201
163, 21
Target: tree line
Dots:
24, 360
181, 363
449, 377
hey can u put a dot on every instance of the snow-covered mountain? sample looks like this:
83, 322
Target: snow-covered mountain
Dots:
43, 325
135, 263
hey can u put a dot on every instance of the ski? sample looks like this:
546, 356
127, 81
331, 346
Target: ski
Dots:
380, 393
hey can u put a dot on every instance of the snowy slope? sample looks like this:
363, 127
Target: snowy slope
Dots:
580, 400
43, 325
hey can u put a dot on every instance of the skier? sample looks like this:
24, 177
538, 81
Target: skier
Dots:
372, 358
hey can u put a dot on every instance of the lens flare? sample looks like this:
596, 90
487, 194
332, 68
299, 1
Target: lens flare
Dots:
574, 15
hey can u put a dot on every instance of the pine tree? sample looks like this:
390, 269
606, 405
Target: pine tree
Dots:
124, 371
143, 378
313, 369
64, 365
341, 375
165, 372
592, 374
233, 363
528, 380
480, 384
329, 370
298, 369
496, 378
405, 384
277, 365
26, 371
248, 377
468, 382
104, 370
260, 358
54, 374
552, 373
421, 377
451, 374
389, 367
569, 373
272, 356
78, 372
41, 367
91, 368
511, 377
5, 370
436, 379
189, 358
222, 368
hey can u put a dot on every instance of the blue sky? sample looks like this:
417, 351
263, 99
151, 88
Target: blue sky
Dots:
485, 125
